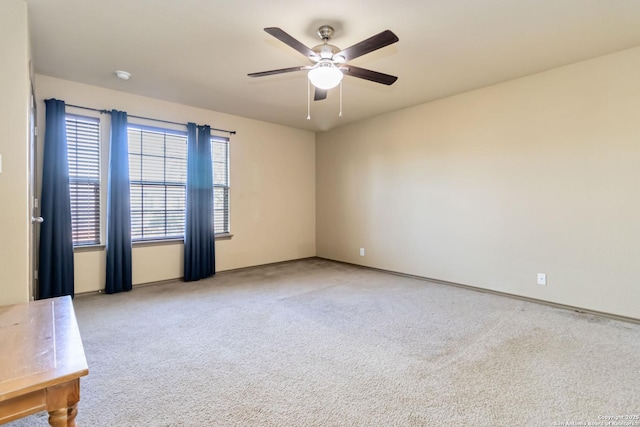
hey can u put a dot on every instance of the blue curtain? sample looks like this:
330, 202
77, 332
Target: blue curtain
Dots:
119, 276
55, 270
199, 238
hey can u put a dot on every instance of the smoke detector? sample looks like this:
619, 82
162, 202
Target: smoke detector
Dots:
123, 75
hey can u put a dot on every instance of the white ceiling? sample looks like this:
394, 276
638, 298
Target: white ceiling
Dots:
198, 52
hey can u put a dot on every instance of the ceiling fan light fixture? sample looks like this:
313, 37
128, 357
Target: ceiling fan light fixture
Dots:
325, 75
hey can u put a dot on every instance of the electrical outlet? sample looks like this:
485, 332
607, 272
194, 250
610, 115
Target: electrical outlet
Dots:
542, 279
361, 251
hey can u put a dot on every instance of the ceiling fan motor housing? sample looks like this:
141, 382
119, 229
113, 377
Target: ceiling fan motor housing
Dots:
324, 51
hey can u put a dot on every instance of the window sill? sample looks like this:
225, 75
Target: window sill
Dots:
88, 248
158, 242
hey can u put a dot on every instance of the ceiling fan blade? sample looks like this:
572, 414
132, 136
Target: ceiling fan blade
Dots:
278, 71
363, 73
320, 94
376, 42
289, 40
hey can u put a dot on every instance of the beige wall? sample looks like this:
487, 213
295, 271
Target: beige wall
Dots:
272, 197
491, 187
14, 149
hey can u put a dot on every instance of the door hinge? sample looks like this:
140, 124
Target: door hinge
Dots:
36, 203
35, 274
35, 130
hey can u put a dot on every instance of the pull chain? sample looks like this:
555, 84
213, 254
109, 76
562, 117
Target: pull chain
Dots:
308, 100
340, 114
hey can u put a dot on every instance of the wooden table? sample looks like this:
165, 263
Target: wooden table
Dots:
41, 361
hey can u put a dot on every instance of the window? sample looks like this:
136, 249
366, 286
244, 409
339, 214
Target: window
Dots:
158, 179
158, 175
83, 150
220, 159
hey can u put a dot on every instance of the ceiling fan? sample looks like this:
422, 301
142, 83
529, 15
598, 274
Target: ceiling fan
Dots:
329, 63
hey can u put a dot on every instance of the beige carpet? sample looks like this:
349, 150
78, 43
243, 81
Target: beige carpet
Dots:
318, 343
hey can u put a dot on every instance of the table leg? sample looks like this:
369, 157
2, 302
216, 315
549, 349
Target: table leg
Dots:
62, 404
72, 411
58, 417
64, 417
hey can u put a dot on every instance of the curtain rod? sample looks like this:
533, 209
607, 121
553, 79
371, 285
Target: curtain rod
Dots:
231, 132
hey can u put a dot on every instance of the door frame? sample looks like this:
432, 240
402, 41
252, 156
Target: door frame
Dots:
34, 230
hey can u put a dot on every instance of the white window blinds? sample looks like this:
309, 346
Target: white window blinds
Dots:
83, 149
158, 174
220, 159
